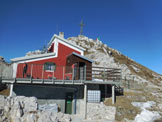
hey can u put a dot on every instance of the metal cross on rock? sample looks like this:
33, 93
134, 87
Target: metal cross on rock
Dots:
81, 27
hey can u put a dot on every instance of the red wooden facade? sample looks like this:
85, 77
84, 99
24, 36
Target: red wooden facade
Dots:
35, 68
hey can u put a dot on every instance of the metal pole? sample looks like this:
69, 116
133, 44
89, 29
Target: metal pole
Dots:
73, 75
113, 94
85, 101
42, 71
11, 90
85, 70
104, 73
31, 70
63, 74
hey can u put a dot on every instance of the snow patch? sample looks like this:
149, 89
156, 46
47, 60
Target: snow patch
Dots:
144, 105
49, 107
146, 115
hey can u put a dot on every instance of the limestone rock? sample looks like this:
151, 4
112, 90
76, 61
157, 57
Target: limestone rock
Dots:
100, 112
25, 109
18, 109
47, 116
2, 101
29, 117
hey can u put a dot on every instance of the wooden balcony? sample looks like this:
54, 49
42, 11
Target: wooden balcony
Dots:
35, 74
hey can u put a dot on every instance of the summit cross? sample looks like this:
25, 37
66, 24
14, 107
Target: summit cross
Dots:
81, 27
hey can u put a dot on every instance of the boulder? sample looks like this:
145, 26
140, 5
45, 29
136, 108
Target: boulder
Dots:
100, 112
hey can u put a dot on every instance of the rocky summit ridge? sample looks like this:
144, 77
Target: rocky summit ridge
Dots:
103, 55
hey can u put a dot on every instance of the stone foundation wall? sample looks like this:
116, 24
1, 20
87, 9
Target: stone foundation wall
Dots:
52, 94
49, 94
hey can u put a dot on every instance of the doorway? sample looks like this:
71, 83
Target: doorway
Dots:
68, 103
81, 70
102, 89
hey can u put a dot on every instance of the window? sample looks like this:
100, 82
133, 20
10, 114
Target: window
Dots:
50, 66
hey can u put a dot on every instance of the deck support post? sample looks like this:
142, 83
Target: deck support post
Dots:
11, 90
85, 101
104, 74
113, 94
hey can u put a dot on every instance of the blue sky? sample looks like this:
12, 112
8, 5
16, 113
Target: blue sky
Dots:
133, 27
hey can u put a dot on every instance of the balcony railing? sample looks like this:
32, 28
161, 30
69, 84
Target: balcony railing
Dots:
106, 74
83, 73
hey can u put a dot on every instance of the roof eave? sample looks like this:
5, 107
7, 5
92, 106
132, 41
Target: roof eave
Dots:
32, 57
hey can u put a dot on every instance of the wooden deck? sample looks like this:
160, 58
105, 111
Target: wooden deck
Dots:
53, 81
91, 75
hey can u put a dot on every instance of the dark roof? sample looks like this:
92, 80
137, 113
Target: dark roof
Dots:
83, 57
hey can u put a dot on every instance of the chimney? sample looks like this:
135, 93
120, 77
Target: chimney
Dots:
61, 34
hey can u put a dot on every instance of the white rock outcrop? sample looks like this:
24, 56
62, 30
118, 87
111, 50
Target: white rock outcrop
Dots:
100, 112
25, 109
146, 115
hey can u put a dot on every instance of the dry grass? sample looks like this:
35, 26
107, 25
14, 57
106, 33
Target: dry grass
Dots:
123, 103
124, 107
5, 92
144, 71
